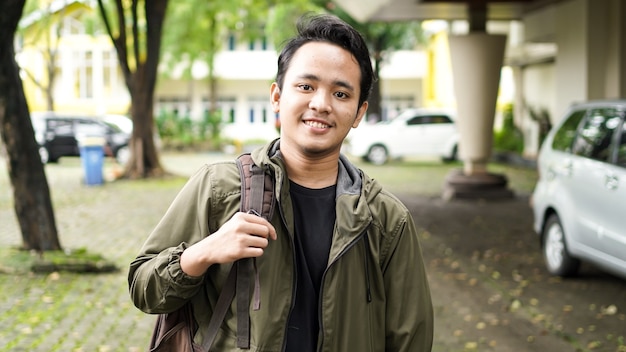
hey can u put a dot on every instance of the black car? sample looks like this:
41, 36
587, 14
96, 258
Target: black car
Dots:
59, 134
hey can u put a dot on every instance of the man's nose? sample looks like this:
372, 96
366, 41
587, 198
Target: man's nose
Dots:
320, 102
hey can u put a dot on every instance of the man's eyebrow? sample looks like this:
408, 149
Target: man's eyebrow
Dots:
339, 83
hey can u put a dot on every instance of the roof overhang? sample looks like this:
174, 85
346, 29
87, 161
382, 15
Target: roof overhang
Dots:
398, 10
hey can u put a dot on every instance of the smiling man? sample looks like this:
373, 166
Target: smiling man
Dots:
339, 262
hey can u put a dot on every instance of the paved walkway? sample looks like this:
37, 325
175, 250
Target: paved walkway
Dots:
490, 291
74, 313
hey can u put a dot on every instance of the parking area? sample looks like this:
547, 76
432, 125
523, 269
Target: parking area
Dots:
490, 289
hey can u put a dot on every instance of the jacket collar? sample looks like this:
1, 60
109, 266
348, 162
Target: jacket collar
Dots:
349, 178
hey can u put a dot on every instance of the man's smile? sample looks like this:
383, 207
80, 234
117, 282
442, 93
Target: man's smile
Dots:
316, 124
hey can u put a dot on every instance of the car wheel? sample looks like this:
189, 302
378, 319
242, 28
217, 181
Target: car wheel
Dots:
452, 157
558, 260
377, 154
44, 155
122, 155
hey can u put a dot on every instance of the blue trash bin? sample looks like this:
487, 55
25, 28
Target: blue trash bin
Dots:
92, 158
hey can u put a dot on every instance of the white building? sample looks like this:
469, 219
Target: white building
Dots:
244, 74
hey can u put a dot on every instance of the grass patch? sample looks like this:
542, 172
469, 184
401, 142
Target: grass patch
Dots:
18, 261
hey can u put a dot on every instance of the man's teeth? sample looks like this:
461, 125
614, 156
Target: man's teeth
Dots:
316, 124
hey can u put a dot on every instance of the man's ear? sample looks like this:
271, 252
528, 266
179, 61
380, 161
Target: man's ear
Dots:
275, 97
359, 114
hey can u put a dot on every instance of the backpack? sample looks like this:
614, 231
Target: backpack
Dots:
174, 331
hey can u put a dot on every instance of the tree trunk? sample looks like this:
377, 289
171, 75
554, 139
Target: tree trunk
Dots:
31, 194
144, 160
374, 109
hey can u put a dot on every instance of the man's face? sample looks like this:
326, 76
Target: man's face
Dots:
319, 100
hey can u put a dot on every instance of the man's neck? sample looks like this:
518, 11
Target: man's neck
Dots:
311, 172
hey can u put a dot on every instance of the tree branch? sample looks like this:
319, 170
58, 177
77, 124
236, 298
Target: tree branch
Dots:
120, 42
136, 33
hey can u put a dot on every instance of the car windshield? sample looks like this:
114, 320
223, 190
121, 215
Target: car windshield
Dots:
122, 123
115, 128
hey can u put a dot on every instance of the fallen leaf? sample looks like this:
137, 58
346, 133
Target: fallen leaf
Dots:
594, 344
515, 305
610, 310
471, 345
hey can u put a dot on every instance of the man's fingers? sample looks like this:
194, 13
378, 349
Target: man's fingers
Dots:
257, 242
257, 226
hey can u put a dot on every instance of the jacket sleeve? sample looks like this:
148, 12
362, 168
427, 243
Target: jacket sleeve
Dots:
409, 315
156, 281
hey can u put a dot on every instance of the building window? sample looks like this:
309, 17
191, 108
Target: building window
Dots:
110, 72
83, 74
72, 26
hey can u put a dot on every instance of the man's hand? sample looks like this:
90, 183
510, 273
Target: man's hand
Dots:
243, 236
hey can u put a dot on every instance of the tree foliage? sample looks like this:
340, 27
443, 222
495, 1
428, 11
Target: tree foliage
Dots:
282, 19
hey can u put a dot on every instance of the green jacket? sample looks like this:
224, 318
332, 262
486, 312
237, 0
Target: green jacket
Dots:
374, 295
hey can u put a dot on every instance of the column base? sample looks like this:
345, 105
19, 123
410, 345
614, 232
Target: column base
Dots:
477, 186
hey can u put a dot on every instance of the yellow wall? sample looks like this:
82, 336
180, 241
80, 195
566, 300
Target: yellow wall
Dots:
438, 84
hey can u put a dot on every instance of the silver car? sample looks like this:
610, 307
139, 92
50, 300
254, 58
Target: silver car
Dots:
579, 203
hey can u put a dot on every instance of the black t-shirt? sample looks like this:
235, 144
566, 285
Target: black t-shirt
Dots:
314, 214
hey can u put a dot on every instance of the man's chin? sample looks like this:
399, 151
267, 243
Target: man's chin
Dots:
319, 151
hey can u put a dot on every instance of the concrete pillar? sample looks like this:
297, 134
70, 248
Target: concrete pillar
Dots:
476, 64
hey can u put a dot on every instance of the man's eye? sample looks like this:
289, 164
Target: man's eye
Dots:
341, 95
305, 87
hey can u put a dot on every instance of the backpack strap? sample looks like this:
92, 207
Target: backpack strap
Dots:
257, 197
257, 188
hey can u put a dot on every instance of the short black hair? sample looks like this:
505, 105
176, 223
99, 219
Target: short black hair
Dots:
330, 29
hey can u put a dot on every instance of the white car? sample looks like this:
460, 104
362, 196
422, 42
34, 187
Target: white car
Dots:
415, 132
579, 202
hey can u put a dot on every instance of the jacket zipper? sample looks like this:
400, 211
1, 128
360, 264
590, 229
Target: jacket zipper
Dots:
319, 304
295, 276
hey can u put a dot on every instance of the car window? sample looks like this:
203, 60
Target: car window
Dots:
86, 128
621, 147
60, 127
428, 119
113, 127
564, 137
440, 119
596, 133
